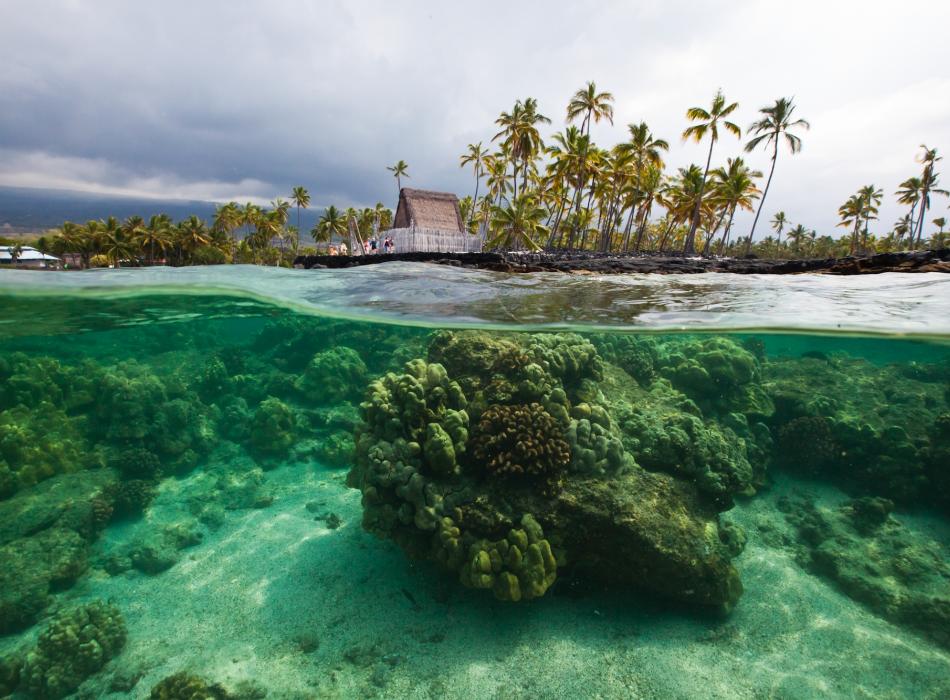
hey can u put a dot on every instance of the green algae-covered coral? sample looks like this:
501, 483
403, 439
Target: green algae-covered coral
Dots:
75, 644
508, 505
273, 428
867, 426
872, 557
333, 375
519, 566
716, 372
186, 686
662, 436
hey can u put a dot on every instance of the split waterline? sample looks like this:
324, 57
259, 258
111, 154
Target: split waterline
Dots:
421, 481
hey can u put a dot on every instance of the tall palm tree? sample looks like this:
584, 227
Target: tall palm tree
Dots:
474, 156
249, 216
778, 222
301, 198
928, 180
646, 151
594, 106
870, 197
399, 171
331, 223
909, 192
709, 122
770, 129
518, 224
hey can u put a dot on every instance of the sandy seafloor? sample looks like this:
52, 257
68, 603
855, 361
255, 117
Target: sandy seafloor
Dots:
275, 600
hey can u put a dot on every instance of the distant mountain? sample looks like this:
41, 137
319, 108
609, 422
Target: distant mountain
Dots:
29, 210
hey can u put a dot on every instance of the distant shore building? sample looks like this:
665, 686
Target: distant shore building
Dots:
428, 221
28, 257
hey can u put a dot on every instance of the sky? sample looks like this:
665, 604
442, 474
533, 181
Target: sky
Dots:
233, 99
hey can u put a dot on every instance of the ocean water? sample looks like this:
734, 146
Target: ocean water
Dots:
409, 481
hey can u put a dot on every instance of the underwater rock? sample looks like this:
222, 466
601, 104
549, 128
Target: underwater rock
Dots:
31, 567
10, 666
719, 374
335, 449
273, 429
333, 376
75, 644
159, 551
503, 508
870, 428
185, 686
45, 533
871, 557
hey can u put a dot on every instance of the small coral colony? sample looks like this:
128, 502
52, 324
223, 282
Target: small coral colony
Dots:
512, 461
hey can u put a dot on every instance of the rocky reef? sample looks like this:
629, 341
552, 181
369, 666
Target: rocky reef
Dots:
497, 457
871, 557
75, 644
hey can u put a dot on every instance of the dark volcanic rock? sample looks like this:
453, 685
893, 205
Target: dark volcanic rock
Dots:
603, 263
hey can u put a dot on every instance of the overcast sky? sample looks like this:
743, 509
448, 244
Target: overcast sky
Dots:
223, 99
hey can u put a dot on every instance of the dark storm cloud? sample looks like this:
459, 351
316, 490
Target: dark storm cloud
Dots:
245, 99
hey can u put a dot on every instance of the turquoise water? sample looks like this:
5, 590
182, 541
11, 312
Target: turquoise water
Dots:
419, 481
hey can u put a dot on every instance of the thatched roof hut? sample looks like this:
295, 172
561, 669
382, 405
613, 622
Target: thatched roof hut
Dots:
429, 210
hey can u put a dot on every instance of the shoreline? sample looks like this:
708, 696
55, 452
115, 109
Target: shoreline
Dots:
605, 263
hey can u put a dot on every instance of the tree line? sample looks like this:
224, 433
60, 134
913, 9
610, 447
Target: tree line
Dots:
249, 234
570, 194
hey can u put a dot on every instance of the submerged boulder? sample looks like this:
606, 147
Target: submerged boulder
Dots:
873, 558
505, 467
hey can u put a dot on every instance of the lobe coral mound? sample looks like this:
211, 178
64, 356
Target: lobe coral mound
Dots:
498, 458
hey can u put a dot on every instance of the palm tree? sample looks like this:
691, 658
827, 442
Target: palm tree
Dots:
775, 123
475, 156
909, 193
709, 121
778, 223
797, 235
851, 213
517, 225
681, 198
940, 222
191, 234
594, 106
249, 216
734, 189
331, 223
870, 197
301, 198
118, 243
928, 180
646, 151
399, 171
156, 233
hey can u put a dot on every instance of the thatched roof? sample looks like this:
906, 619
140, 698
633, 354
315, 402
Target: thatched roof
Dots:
426, 209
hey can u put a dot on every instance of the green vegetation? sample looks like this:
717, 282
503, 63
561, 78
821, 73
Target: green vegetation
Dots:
584, 197
567, 194
265, 236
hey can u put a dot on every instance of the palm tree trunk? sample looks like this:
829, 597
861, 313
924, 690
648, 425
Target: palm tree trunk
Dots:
765, 194
666, 234
714, 231
475, 198
642, 226
725, 234
689, 246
